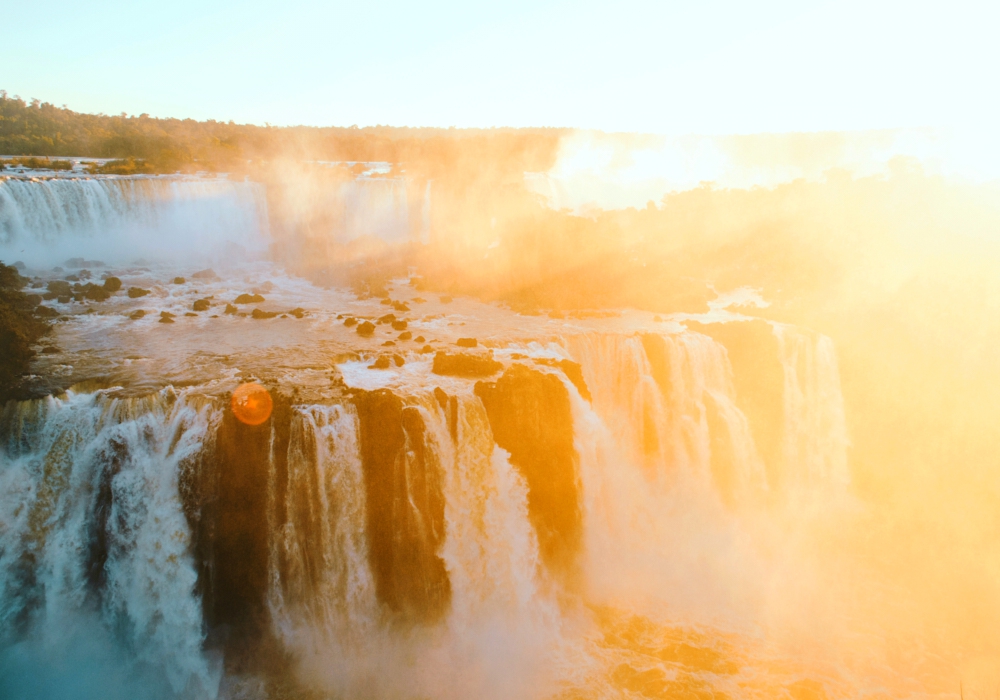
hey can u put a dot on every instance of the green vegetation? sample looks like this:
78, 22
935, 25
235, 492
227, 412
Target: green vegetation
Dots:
171, 145
19, 330
36, 163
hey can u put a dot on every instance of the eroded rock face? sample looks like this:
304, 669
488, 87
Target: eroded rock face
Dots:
530, 415
759, 379
464, 364
404, 507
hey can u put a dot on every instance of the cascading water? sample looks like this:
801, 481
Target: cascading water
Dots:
45, 221
97, 579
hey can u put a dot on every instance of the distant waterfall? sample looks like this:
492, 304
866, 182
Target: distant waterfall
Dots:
120, 219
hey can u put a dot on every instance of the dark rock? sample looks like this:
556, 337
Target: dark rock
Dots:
419, 339
388, 343
465, 364
231, 310
258, 314
45, 312
64, 298
400, 306
166, 319
381, 362
386, 302
398, 359
297, 312
191, 313
467, 342
59, 287
179, 280
366, 329
405, 335
73, 278
531, 418
201, 305
50, 350
426, 349
399, 325
388, 318
166, 314
249, 299
350, 321
572, 370
96, 293
33, 299
136, 292
137, 314
112, 284
208, 274
404, 507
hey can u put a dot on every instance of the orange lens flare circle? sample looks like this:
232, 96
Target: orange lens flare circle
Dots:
252, 403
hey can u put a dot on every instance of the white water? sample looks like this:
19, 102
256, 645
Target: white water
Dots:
194, 220
79, 471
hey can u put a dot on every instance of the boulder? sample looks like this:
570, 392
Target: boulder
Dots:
112, 284
59, 288
201, 305
166, 319
381, 362
166, 314
297, 312
398, 359
400, 306
419, 339
388, 318
426, 349
45, 312
465, 364
179, 280
388, 343
405, 335
136, 292
231, 310
399, 325
467, 342
350, 321
249, 299
366, 329
258, 314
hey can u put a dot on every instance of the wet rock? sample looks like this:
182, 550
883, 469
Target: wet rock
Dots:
465, 364
467, 342
59, 288
386, 302
166, 319
112, 284
419, 339
45, 312
191, 313
208, 274
531, 418
399, 325
64, 298
249, 299
350, 321
297, 312
96, 293
136, 292
258, 314
33, 299
381, 362
405, 335
398, 359
179, 280
50, 350
400, 306
572, 370
366, 329
73, 278
201, 305
231, 310
137, 314
426, 349
418, 300
388, 343
404, 507
388, 318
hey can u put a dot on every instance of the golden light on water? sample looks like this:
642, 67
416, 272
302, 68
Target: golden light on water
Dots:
252, 403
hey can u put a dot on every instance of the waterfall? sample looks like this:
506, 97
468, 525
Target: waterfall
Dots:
375, 207
119, 219
95, 555
815, 441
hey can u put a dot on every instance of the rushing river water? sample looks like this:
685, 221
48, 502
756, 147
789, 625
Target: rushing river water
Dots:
624, 507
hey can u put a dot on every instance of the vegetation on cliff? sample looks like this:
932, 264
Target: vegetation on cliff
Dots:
19, 330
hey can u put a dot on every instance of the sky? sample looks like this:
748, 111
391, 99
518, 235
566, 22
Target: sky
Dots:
714, 67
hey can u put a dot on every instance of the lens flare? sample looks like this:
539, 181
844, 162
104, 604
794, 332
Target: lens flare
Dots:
252, 403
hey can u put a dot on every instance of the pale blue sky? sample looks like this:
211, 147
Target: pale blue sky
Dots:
677, 67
